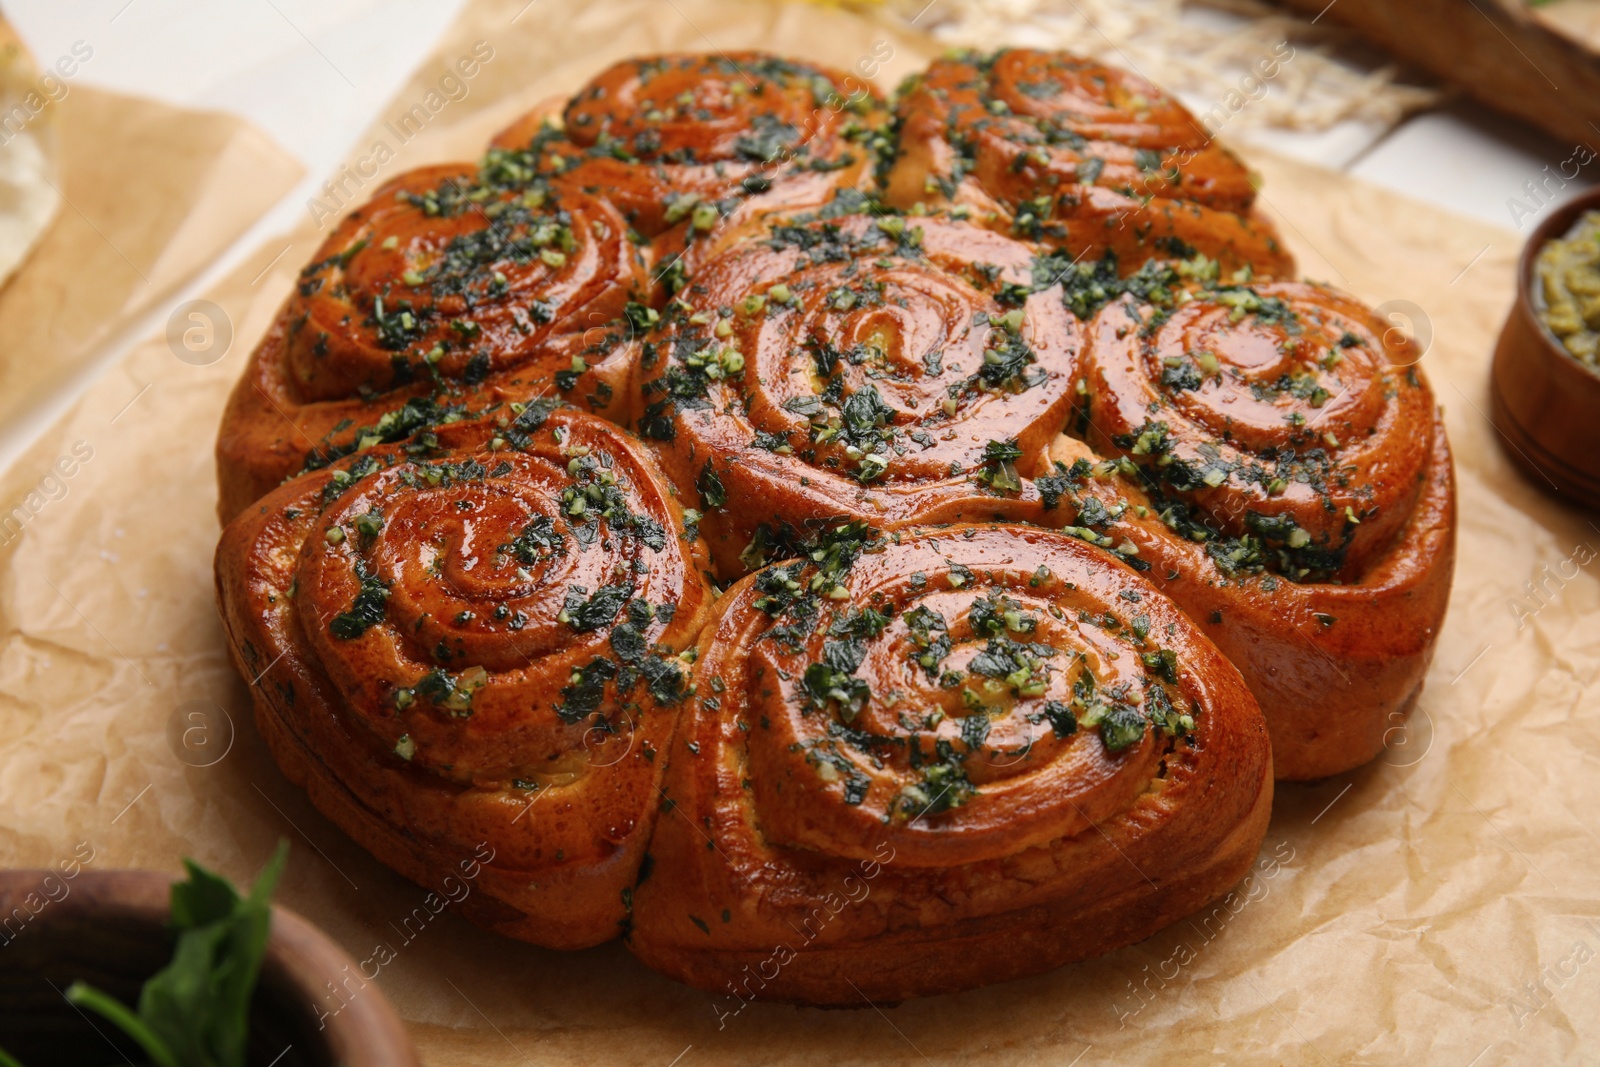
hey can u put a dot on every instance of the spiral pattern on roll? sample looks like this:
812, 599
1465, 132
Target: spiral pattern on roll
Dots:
455, 291
1283, 416
492, 631
1066, 150
963, 685
893, 369
967, 701
453, 273
684, 140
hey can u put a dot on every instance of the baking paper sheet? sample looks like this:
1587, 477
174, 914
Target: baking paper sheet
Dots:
1437, 906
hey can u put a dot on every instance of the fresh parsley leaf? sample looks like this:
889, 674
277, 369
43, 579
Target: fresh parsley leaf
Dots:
195, 1012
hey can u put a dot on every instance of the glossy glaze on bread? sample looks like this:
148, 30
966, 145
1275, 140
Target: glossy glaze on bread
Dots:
1044, 503
1079, 155
664, 135
456, 289
862, 367
995, 752
429, 637
1298, 494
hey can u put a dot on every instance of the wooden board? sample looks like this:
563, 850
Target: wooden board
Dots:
1536, 62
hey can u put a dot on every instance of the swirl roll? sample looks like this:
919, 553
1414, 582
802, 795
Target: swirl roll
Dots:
993, 750
1285, 413
455, 289
480, 646
894, 370
681, 141
1080, 155
1278, 467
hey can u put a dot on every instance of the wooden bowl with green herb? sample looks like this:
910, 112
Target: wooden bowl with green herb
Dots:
111, 967
1545, 382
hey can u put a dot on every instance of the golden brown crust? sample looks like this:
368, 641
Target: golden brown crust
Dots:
458, 286
692, 147
476, 651
1335, 667
863, 368
1299, 497
869, 801
1079, 155
1283, 410
453, 289
1280, 423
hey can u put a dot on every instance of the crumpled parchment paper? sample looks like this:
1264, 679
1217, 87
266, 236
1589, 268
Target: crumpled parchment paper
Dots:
1437, 906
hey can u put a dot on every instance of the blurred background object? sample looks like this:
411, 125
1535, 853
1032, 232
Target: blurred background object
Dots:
29, 198
1374, 88
109, 203
1535, 60
1237, 64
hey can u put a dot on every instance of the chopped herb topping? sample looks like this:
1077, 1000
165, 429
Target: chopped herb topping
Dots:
366, 611
452, 693
944, 785
999, 471
584, 612
931, 636
537, 538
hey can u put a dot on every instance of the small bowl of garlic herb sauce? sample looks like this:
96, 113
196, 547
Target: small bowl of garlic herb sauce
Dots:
1567, 296
1544, 385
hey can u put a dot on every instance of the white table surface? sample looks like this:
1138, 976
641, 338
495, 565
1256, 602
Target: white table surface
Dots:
314, 73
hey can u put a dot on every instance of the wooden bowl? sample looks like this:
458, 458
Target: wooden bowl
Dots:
1546, 403
109, 928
